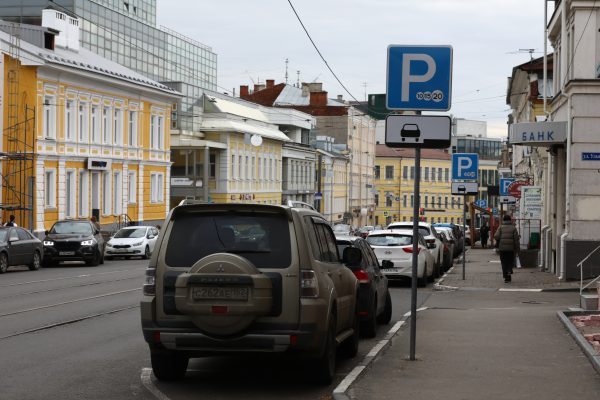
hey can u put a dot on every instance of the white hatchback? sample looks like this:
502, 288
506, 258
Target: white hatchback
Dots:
397, 246
132, 241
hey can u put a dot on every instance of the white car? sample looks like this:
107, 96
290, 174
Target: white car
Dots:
397, 247
434, 244
132, 241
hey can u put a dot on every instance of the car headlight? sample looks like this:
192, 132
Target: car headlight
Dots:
138, 243
48, 243
88, 242
109, 244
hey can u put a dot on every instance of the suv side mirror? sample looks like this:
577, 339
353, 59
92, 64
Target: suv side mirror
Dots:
46, 232
385, 264
352, 256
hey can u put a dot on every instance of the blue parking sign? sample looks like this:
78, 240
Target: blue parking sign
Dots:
465, 167
504, 183
419, 77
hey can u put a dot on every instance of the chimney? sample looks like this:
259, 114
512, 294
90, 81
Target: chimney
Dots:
318, 98
67, 26
258, 86
243, 91
340, 97
315, 87
305, 89
270, 83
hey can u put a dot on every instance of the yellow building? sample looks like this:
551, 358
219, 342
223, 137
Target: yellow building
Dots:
394, 185
98, 134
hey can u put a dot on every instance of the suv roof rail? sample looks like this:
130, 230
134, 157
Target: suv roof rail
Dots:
187, 202
299, 204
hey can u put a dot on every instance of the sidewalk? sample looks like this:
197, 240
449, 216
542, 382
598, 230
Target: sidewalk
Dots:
480, 342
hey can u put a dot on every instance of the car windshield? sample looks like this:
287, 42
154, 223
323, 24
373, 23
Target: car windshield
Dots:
3, 235
131, 233
72, 227
423, 230
366, 229
389, 240
262, 238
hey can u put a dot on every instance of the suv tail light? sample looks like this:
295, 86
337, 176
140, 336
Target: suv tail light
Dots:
309, 286
409, 249
361, 275
149, 288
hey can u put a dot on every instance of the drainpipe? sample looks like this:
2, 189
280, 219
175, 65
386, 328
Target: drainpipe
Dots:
564, 63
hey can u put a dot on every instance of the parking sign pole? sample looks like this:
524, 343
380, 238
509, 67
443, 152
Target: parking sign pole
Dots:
465, 236
415, 256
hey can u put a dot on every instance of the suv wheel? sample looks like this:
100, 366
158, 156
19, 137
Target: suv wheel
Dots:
368, 328
95, 261
324, 369
167, 365
3, 263
386, 316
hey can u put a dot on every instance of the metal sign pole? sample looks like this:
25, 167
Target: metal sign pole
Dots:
415, 256
465, 236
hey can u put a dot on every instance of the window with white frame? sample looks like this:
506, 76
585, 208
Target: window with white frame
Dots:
152, 131
106, 193
95, 124
156, 188
247, 168
239, 174
132, 129
131, 187
118, 128
49, 117
69, 119
160, 134
70, 192
106, 125
118, 192
233, 169
157, 134
83, 119
83, 193
50, 188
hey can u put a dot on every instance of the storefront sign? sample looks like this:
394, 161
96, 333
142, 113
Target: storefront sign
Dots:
590, 156
101, 164
531, 202
538, 133
514, 189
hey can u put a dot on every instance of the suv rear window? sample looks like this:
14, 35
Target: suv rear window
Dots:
389, 240
264, 239
423, 230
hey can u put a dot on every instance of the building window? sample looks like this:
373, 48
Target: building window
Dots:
50, 186
433, 174
376, 198
131, 187
83, 122
412, 172
233, 169
69, 119
426, 174
239, 173
70, 191
156, 188
404, 200
118, 128
83, 195
389, 172
95, 124
106, 193
446, 202
446, 174
49, 118
412, 200
426, 201
118, 192
106, 115
132, 129
152, 131
156, 132
405, 172
377, 172
388, 201
161, 134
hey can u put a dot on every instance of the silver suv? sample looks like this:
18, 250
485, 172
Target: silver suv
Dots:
241, 278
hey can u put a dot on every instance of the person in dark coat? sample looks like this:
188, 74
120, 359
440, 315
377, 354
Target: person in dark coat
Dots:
484, 233
507, 241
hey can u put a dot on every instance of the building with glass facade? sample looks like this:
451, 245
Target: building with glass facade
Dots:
125, 31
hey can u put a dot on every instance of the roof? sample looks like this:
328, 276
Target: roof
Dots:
292, 96
381, 150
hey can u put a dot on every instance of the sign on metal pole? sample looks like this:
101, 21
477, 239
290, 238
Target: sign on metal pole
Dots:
425, 131
465, 188
465, 167
419, 78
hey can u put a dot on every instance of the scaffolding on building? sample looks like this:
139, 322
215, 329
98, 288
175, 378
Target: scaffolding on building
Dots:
18, 138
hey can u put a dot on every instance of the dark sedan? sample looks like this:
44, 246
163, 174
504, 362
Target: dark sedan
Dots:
73, 241
374, 301
19, 247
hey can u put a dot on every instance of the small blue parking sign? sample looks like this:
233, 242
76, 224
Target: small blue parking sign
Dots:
419, 78
504, 183
465, 167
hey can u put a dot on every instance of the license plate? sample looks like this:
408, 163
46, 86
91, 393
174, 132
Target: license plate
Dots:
66, 253
390, 270
220, 293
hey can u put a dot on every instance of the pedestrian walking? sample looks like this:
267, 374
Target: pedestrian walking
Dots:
94, 221
484, 233
11, 221
507, 243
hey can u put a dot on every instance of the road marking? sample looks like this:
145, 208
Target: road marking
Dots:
69, 277
396, 327
347, 381
68, 302
518, 290
148, 383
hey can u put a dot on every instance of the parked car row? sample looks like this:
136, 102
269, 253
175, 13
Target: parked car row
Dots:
72, 240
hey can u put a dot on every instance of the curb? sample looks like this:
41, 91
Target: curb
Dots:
581, 341
339, 393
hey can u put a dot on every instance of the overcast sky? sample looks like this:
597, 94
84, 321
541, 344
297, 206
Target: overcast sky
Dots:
252, 39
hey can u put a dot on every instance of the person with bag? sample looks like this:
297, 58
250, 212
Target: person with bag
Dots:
507, 242
484, 233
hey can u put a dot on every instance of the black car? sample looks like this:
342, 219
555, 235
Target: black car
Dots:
19, 247
374, 300
73, 241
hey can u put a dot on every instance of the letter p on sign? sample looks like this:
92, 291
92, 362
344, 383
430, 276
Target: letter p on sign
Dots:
408, 77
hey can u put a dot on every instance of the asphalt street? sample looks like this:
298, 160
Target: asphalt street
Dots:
73, 332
